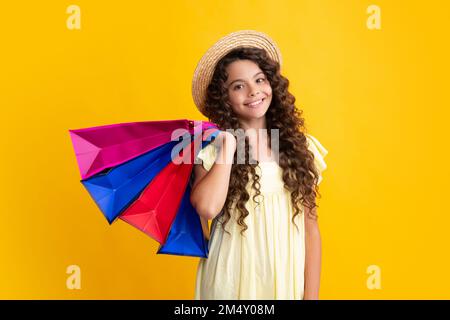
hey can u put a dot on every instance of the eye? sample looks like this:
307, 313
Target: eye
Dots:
237, 87
263, 79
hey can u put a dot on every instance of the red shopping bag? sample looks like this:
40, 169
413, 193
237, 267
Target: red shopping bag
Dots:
156, 208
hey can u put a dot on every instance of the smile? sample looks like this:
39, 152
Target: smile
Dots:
255, 104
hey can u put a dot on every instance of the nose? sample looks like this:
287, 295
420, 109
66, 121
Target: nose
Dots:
254, 91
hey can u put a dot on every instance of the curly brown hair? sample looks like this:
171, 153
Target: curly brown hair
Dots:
300, 176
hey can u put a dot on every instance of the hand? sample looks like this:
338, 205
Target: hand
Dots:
226, 142
227, 139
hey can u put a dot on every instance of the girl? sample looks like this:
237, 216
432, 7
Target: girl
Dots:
265, 241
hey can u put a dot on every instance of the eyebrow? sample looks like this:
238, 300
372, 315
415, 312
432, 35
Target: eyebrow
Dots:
243, 80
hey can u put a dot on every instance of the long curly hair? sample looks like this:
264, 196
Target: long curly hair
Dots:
300, 176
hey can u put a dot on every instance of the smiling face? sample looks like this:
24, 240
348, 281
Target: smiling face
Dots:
249, 90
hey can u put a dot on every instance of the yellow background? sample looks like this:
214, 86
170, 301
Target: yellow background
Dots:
376, 99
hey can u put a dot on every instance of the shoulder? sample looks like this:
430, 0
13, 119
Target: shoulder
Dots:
319, 152
315, 145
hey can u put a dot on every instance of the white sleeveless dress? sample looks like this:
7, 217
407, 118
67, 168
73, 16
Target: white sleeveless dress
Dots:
268, 261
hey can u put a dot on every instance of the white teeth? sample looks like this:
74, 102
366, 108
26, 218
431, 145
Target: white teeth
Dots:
255, 103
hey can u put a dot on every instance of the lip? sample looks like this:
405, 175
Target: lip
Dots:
255, 106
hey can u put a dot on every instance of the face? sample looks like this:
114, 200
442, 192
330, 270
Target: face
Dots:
249, 90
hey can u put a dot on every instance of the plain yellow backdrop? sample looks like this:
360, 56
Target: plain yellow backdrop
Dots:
376, 99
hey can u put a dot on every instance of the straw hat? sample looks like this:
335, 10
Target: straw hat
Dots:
205, 67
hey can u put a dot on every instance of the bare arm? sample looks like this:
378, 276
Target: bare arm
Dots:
210, 189
313, 257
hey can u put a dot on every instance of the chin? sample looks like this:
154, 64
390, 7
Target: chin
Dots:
256, 114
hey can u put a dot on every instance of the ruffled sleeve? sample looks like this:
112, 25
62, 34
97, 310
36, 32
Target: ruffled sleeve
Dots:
319, 152
208, 156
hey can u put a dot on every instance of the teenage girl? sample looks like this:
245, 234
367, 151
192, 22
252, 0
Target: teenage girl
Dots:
265, 241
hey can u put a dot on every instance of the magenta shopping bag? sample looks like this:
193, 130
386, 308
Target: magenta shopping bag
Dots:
102, 147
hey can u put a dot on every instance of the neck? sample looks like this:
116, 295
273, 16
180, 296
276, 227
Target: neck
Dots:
255, 124
257, 138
